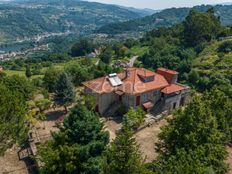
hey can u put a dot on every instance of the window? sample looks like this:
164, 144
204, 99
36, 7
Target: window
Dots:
138, 100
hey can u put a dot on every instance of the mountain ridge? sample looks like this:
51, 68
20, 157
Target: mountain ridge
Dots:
165, 18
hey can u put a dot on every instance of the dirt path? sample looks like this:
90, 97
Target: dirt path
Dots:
9, 163
229, 160
147, 138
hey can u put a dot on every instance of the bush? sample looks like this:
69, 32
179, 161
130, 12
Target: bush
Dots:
134, 118
225, 47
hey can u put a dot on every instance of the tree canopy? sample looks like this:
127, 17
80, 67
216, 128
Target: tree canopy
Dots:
13, 110
78, 147
64, 91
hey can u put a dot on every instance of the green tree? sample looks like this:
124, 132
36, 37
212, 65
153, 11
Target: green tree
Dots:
82, 47
78, 147
193, 131
106, 55
19, 84
64, 91
123, 156
28, 72
13, 126
221, 107
50, 79
200, 27
79, 73
134, 118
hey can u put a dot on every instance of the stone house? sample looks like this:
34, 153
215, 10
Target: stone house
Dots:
138, 87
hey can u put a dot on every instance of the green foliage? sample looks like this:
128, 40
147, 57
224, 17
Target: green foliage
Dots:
19, 84
193, 140
90, 102
50, 79
28, 72
221, 106
165, 18
43, 104
64, 91
78, 147
134, 118
79, 73
123, 156
200, 27
225, 47
78, 17
13, 128
82, 48
106, 55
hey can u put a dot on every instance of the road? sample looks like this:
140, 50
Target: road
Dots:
132, 61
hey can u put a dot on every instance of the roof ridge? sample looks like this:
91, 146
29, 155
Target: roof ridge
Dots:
135, 74
103, 83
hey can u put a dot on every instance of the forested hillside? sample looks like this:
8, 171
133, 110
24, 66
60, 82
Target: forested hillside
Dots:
165, 18
45, 90
20, 19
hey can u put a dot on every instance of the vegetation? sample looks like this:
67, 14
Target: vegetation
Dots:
201, 27
82, 48
134, 118
164, 18
64, 91
193, 141
123, 156
78, 147
13, 109
77, 16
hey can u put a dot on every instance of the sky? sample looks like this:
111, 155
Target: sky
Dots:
160, 4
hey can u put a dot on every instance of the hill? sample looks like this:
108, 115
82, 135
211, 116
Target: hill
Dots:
165, 18
28, 18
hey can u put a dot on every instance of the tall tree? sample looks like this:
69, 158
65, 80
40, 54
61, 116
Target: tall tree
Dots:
13, 127
193, 132
221, 107
106, 55
19, 84
200, 27
64, 91
82, 47
28, 71
50, 79
78, 147
123, 156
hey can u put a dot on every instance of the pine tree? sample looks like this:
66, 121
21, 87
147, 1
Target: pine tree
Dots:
28, 72
77, 147
123, 156
64, 91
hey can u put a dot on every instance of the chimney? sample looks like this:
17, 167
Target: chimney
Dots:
127, 74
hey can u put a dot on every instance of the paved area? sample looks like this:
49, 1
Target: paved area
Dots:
229, 159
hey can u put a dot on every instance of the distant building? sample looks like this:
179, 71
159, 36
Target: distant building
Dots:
138, 87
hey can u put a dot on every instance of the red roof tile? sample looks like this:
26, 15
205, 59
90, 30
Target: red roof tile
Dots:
168, 74
173, 88
148, 105
132, 83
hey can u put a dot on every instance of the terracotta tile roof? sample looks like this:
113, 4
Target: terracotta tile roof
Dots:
168, 71
168, 74
132, 83
148, 105
173, 88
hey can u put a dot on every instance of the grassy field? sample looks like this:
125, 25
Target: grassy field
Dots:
59, 66
137, 50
